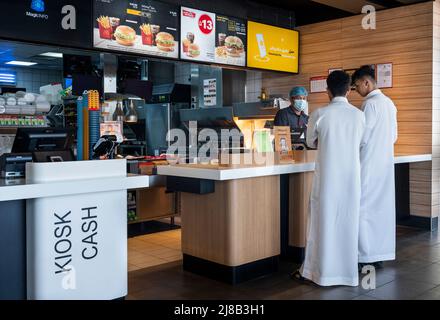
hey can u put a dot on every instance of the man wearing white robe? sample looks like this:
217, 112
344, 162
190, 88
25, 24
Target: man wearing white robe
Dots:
377, 233
331, 256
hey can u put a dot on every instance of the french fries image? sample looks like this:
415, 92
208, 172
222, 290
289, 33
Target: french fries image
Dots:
104, 21
145, 28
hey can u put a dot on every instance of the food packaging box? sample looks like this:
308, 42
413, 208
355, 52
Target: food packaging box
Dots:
105, 33
147, 39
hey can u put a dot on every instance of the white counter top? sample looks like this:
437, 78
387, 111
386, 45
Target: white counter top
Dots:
20, 189
399, 159
252, 172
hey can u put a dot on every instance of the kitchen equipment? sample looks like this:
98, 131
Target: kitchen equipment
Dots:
163, 114
13, 165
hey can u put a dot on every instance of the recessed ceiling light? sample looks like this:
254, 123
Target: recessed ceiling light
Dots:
21, 63
52, 54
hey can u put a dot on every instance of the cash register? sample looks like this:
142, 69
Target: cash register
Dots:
39, 145
13, 165
44, 144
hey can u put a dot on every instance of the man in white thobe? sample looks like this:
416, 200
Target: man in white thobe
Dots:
377, 233
332, 243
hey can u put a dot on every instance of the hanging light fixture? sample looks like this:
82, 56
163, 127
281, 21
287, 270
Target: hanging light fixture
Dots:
131, 116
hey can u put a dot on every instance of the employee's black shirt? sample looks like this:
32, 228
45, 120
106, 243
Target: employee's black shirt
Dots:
288, 117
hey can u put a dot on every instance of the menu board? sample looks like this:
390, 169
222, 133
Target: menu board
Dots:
197, 31
272, 48
137, 26
230, 41
61, 22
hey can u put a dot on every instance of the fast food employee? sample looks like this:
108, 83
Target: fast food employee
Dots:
295, 115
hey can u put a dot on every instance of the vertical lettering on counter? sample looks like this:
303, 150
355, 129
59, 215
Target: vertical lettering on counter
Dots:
63, 244
90, 229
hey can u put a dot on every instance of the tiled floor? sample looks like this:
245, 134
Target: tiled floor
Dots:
414, 275
154, 249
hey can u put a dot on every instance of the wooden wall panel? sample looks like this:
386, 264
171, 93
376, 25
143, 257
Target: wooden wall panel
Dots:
403, 36
409, 37
436, 112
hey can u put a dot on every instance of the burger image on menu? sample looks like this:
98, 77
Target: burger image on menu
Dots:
165, 41
193, 50
234, 46
125, 35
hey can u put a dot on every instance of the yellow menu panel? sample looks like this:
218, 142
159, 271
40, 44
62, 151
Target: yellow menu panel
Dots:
272, 48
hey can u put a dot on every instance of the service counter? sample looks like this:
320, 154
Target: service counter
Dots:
63, 231
236, 222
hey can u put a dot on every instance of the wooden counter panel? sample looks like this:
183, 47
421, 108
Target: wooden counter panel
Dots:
300, 189
238, 224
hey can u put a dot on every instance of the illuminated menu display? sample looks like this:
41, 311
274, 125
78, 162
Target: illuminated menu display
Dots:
272, 48
61, 22
230, 41
198, 35
137, 26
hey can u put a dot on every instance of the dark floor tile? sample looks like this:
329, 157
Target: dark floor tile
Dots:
382, 278
413, 274
410, 248
431, 254
364, 297
278, 285
429, 237
433, 294
402, 266
430, 274
336, 293
292, 293
400, 289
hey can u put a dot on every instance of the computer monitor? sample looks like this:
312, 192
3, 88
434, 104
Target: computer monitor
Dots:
298, 135
81, 83
46, 144
142, 89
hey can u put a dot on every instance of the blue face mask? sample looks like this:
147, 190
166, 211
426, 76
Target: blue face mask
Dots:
300, 105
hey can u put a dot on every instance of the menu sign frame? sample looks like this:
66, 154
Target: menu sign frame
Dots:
197, 34
145, 27
61, 23
231, 41
269, 50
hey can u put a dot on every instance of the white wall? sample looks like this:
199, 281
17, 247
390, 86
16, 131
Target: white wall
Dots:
32, 79
253, 85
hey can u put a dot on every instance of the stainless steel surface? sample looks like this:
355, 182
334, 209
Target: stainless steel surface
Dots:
255, 110
110, 63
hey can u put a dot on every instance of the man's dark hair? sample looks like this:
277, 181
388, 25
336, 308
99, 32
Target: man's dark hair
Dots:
338, 83
363, 72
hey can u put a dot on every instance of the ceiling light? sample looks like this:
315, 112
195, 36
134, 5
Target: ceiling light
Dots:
52, 54
21, 63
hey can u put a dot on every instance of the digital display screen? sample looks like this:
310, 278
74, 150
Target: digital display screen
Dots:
61, 22
197, 31
137, 26
230, 47
272, 48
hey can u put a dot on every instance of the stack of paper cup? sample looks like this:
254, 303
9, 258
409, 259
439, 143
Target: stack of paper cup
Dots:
42, 105
28, 97
11, 101
28, 109
12, 109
